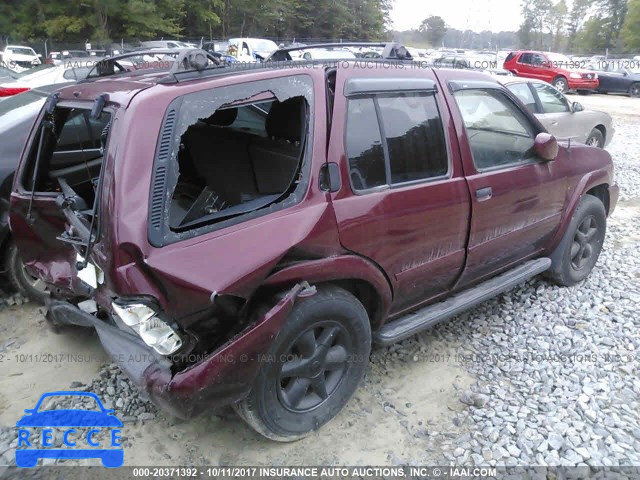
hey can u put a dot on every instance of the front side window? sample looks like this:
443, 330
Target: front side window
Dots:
523, 92
499, 133
394, 139
552, 100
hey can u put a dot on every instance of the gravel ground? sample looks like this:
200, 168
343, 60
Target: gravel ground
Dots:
544, 376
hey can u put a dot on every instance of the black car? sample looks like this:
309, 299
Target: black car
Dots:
619, 76
17, 115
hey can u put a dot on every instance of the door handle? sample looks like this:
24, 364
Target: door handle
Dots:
554, 123
483, 194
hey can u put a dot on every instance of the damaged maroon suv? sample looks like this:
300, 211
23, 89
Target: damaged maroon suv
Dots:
245, 233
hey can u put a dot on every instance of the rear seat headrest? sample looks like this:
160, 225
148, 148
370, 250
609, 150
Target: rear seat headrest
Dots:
222, 118
285, 119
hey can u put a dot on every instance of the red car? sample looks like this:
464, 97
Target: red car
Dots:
244, 233
554, 68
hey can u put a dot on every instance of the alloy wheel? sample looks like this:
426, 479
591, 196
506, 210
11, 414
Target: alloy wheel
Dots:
584, 242
314, 366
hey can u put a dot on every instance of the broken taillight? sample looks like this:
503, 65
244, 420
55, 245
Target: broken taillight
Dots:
9, 92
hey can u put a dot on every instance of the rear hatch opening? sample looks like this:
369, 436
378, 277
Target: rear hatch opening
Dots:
64, 164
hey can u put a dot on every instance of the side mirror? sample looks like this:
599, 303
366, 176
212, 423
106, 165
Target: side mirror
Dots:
577, 107
546, 146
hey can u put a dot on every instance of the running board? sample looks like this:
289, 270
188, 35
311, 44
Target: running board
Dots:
415, 322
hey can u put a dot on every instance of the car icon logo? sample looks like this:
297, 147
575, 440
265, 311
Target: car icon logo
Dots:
72, 422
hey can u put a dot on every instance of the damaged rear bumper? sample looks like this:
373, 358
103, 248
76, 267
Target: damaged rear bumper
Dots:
221, 378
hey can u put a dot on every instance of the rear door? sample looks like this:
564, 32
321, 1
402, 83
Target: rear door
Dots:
404, 202
517, 198
524, 67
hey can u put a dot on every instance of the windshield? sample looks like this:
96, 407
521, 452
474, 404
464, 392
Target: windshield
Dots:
263, 45
21, 51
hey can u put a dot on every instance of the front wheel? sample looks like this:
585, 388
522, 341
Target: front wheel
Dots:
581, 245
315, 365
561, 84
595, 138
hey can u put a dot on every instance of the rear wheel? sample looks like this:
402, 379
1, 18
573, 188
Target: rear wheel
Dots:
634, 90
25, 283
315, 365
561, 84
580, 248
595, 138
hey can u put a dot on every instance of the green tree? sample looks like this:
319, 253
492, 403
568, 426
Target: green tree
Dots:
434, 28
630, 31
593, 37
576, 18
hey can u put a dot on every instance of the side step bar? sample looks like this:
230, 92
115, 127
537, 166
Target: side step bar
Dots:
422, 319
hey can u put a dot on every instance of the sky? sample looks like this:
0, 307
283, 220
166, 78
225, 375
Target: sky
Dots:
477, 15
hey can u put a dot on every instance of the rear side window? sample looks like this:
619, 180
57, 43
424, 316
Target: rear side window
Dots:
510, 57
394, 139
526, 58
364, 145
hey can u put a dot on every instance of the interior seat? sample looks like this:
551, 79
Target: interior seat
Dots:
221, 157
275, 159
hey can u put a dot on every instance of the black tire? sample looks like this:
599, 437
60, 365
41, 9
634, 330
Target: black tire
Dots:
595, 138
287, 406
634, 90
20, 279
581, 245
561, 84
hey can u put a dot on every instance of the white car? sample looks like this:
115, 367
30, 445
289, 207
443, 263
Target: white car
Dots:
44, 75
327, 54
252, 49
562, 118
19, 58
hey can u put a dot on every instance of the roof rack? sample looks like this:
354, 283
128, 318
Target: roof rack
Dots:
186, 59
391, 50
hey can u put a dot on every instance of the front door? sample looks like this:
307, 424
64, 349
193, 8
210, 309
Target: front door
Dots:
404, 203
556, 114
517, 198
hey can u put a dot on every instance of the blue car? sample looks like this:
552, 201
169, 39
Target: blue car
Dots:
70, 419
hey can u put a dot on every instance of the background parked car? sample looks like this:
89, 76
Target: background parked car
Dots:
615, 77
46, 75
253, 49
553, 68
19, 58
327, 54
562, 118
17, 115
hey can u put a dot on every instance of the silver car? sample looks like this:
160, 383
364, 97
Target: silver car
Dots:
563, 119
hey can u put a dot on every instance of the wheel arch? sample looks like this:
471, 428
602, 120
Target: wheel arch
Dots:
360, 277
602, 130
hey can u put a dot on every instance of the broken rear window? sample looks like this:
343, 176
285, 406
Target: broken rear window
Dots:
238, 151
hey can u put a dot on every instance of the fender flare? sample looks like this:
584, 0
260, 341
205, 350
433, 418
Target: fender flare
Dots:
340, 268
586, 183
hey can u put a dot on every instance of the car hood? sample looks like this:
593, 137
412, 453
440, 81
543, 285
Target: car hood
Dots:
19, 57
69, 418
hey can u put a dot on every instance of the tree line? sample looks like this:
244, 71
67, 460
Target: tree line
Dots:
580, 26
102, 21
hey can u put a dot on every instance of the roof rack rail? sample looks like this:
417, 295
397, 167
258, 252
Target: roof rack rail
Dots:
391, 50
186, 59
